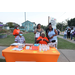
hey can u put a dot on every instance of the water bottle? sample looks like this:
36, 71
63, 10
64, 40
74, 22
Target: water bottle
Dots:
47, 47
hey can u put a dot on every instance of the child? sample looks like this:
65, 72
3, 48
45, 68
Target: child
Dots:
65, 33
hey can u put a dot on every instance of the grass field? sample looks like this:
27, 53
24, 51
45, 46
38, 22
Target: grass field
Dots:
29, 37
63, 44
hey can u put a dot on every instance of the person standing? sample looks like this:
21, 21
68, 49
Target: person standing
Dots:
58, 31
52, 34
65, 33
71, 33
47, 30
68, 33
16, 31
38, 31
74, 34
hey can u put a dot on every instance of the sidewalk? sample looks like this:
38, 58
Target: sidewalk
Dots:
2, 48
65, 55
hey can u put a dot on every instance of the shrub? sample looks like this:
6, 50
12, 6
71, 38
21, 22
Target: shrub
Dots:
3, 31
30, 31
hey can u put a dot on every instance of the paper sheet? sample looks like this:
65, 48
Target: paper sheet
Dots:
17, 49
15, 44
37, 34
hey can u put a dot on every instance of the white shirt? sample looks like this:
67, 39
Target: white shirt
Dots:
65, 32
72, 31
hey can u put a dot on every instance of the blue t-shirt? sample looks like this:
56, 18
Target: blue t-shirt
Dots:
50, 34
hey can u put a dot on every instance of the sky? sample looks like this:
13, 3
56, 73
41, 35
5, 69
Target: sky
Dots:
37, 17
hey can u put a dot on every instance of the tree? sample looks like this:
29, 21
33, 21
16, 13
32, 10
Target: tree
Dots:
44, 27
1, 22
11, 24
71, 22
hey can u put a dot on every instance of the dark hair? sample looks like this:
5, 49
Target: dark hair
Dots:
37, 25
16, 26
49, 24
72, 28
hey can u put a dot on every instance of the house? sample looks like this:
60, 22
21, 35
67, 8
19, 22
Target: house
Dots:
1, 25
28, 26
5, 27
70, 27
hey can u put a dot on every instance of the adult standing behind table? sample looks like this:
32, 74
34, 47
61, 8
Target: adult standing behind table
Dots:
38, 31
16, 31
20, 38
47, 31
52, 34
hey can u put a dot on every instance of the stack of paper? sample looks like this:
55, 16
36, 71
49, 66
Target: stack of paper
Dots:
17, 49
27, 47
15, 44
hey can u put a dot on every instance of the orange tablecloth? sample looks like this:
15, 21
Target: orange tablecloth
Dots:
50, 55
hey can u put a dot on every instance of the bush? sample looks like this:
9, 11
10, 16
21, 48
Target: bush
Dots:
23, 30
11, 30
3, 31
30, 31
2, 34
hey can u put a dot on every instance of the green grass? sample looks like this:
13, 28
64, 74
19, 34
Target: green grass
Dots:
61, 35
2, 60
7, 41
63, 44
29, 37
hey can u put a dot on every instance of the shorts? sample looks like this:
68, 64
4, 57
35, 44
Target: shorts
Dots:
53, 41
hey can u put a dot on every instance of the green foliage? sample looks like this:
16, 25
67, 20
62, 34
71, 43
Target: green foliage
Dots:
11, 24
44, 27
61, 26
71, 22
2, 34
30, 31
3, 31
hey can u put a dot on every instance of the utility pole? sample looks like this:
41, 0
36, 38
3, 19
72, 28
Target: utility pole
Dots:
48, 19
25, 19
25, 16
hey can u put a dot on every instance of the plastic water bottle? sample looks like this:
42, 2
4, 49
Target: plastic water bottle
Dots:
47, 47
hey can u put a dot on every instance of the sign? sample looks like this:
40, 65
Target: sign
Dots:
37, 34
53, 22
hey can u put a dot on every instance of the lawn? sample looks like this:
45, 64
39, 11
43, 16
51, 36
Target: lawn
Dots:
63, 44
61, 35
29, 37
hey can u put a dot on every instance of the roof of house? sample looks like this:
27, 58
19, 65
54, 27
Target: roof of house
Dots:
30, 21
